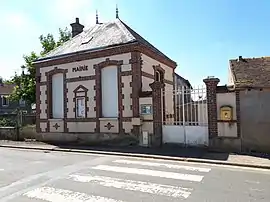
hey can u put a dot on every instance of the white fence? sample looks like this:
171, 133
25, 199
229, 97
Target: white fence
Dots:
189, 125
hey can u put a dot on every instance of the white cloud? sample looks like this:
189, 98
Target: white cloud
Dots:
15, 20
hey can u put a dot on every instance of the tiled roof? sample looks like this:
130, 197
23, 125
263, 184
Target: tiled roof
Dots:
251, 72
101, 36
183, 79
6, 89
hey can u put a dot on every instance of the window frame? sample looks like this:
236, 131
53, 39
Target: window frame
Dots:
78, 114
144, 106
7, 101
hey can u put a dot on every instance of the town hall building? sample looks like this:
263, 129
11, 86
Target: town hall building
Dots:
98, 84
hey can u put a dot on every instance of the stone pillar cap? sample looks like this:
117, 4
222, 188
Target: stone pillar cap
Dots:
211, 79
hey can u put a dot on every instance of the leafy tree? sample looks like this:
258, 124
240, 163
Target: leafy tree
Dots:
26, 82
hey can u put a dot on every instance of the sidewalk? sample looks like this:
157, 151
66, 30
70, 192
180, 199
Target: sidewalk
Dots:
164, 153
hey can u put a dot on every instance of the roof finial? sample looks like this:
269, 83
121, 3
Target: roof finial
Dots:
117, 16
97, 17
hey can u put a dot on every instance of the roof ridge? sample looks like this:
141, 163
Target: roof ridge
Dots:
122, 27
141, 39
103, 35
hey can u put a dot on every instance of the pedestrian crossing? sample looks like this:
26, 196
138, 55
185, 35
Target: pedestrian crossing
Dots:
147, 178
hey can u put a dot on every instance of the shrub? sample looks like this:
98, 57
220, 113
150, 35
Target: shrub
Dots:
6, 122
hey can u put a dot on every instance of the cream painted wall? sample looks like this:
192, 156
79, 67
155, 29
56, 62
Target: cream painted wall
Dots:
127, 126
169, 74
89, 84
43, 126
145, 83
147, 126
148, 67
169, 96
90, 63
226, 129
226, 99
43, 105
81, 126
127, 91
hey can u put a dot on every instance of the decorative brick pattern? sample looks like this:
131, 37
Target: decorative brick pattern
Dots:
158, 68
136, 83
126, 73
81, 78
38, 100
49, 95
211, 88
65, 100
150, 76
157, 113
132, 47
238, 114
80, 89
135, 50
120, 99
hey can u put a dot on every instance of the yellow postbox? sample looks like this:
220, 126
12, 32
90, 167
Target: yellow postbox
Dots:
226, 113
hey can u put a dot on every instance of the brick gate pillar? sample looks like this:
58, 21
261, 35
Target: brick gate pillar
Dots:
211, 93
157, 113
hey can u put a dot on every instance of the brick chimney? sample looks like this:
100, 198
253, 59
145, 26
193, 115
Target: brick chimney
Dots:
77, 28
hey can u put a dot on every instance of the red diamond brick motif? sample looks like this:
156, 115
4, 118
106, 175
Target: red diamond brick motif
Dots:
109, 126
56, 126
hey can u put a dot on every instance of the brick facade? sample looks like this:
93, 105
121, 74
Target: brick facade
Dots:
157, 113
211, 91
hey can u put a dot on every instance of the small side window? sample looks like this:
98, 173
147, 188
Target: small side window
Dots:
146, 109
80, 107
22, 102
5, 101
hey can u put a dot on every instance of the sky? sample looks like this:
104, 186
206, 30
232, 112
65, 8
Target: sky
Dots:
200, 35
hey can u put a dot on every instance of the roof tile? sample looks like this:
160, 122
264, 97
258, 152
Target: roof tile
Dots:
101, 36
251, 72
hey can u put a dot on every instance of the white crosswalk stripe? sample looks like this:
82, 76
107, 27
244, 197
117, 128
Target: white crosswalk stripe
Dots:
146, 187
147, 163
154, 173
60, 195
126, 168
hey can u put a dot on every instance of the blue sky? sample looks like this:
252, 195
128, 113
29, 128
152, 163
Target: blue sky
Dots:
200, 35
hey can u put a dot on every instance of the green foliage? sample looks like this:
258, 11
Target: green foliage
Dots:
26, 82
6, 122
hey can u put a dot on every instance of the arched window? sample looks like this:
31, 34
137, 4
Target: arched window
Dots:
58, 96
159, 76
109, 91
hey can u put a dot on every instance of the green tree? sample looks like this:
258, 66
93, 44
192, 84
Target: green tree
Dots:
26, 82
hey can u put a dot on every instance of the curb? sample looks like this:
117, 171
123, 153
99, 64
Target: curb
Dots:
148, 156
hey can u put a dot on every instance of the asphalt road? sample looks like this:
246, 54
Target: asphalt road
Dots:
33, 176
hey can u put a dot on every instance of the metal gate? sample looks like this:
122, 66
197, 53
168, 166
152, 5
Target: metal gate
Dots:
189, 124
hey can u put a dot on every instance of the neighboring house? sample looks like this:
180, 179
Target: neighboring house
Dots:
250, 73
183, 101
98, 82
7, 106
182, 85
250, 78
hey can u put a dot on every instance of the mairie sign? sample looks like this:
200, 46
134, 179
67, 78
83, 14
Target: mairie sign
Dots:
80, 68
